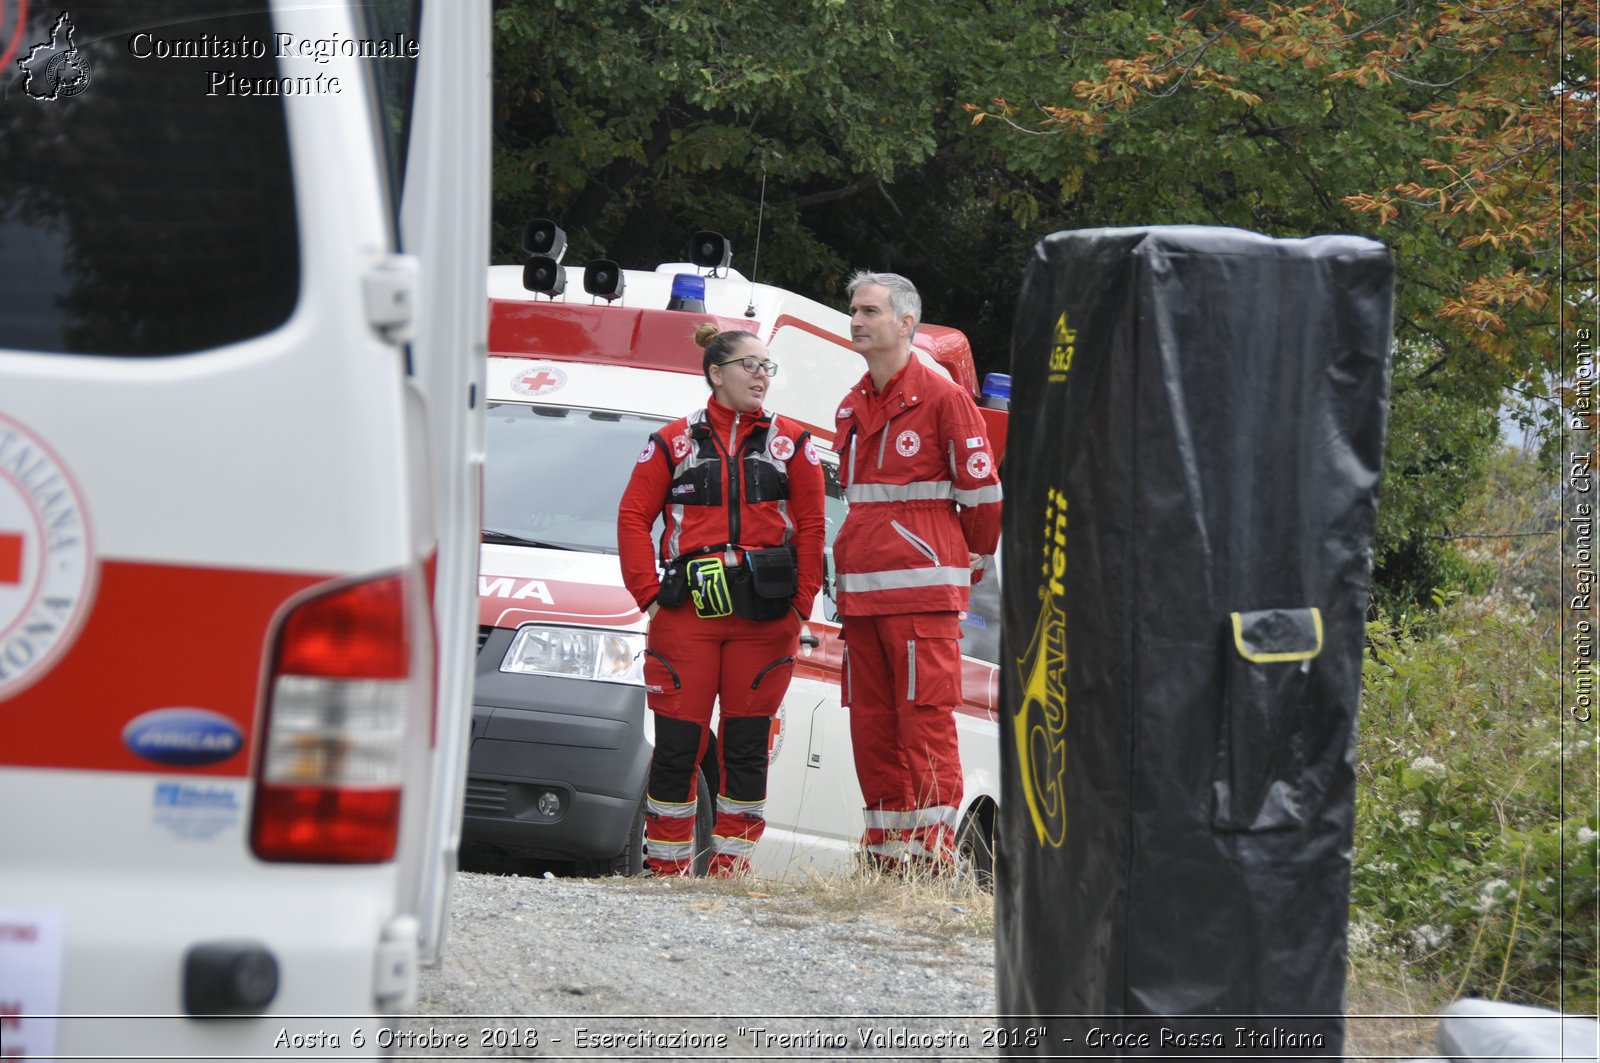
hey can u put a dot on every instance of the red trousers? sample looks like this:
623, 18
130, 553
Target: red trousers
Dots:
691, 664
902, 682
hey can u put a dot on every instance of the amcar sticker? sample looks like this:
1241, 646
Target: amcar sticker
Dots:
46, 558
183, 737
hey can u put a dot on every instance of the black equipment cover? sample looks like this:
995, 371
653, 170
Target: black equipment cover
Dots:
1191, 478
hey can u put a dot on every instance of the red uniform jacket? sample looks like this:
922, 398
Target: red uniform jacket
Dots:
724, 480
923, 490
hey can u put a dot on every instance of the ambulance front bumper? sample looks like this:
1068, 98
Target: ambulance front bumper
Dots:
557, 766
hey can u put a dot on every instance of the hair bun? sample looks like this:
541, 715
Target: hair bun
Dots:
705, 333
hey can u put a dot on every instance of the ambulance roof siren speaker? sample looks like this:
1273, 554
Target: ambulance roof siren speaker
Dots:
602, 279
541, 236
545, 243
544, 275
710, 250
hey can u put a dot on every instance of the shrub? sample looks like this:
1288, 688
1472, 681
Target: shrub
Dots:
1475, 821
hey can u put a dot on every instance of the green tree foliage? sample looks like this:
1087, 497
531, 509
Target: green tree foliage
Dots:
1461, 137
634, 124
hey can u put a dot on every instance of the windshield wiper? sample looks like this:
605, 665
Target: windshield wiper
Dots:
495, 535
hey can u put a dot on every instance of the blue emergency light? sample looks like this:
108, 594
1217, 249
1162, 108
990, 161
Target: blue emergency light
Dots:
996, 391
688, 293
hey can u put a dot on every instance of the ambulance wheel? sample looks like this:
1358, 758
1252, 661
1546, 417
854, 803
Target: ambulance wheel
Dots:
975, 842
631, 861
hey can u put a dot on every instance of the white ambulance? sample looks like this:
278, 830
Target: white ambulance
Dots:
241, 321
581, 370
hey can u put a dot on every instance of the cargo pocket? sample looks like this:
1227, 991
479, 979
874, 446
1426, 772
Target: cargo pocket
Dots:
933, 661
1260, 748
661, 683
771, 683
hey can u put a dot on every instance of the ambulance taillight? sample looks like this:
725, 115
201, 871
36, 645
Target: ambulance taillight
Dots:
329, 781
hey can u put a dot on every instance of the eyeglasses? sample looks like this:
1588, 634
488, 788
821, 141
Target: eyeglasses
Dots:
753, 366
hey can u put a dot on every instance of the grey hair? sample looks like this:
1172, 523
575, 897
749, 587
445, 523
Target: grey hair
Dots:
903, 297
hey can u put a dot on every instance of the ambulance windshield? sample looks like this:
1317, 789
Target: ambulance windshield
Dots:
554, 476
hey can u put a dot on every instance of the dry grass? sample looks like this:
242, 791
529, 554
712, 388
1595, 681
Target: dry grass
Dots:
939, 909
1389, 1023
1390, 1016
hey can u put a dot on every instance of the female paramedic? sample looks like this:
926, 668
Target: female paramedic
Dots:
741, 493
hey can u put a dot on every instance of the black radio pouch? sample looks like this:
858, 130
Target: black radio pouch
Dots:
674, 586
764, 586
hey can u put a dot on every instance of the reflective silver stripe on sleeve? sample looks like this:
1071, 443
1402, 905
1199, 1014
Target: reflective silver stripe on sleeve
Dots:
668, 809
978, 495
903, 579
727, 806
675, 540
926, 491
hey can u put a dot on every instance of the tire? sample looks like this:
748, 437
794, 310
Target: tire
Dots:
631, 861
705, 820
976, 843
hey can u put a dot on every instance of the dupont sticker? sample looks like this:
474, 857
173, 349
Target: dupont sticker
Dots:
33, 943
540, 380
46, 558
184, 738
199, 811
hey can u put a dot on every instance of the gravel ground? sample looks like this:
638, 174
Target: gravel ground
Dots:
563, 968
694, 970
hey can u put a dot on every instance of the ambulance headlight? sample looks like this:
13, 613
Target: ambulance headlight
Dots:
577, 653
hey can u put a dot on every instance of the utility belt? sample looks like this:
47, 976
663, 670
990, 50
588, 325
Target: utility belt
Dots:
759, 588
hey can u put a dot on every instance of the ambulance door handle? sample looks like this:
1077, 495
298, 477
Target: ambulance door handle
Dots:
389, 296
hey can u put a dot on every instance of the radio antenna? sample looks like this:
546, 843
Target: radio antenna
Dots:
755, 271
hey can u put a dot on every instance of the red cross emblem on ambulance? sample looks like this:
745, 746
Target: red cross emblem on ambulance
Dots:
10, 558
540, 380
46, 560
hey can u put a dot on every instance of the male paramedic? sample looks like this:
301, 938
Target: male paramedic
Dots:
924, 519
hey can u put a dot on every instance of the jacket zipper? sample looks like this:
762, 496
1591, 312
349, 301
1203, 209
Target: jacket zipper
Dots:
733, 486
910, 537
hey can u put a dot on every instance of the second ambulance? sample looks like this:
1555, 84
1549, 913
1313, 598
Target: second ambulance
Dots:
584, 363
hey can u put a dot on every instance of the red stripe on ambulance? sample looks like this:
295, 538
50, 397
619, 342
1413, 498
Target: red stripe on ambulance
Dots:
507, 601
159, 636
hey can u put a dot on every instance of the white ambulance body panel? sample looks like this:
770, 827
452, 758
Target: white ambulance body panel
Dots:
217, 494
